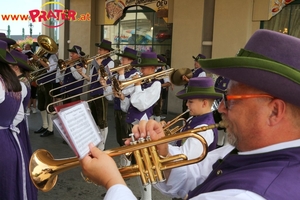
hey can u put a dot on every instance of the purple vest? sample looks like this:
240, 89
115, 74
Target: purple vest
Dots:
134, 114
117, 103
196, 72
208, 119
97, 84
69, 78
272, 175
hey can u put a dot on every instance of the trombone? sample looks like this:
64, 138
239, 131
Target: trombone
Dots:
85, 60
64, 63
44, 169
103, 75
117, 85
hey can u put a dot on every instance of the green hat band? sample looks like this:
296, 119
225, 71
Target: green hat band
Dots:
286, 71
197, 89
147, 61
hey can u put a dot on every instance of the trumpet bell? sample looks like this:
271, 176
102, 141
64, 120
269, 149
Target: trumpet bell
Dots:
44, 169
176, 76
149, 165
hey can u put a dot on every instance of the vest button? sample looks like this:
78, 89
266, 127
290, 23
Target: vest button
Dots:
219, 172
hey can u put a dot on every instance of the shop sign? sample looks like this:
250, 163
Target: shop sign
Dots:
114, 8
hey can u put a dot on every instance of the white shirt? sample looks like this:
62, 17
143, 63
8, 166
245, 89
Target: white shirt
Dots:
20, 115
52, 63
184, 179
142, 99
192, 147
108, 93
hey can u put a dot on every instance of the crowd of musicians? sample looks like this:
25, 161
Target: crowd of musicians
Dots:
136, 83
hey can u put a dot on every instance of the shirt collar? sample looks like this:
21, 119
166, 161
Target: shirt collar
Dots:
274, 147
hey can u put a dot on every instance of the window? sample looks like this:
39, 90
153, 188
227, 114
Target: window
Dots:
286, 21
142, 30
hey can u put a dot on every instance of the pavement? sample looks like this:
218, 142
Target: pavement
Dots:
70, 184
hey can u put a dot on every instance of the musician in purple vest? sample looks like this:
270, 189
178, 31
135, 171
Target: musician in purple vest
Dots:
196, 72
123, 74
260, 110
49, 62
141, 102
200, 95
73, 80
99, 106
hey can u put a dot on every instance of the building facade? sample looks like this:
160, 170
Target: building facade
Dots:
180, 29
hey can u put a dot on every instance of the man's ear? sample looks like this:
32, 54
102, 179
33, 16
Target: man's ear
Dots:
278, 109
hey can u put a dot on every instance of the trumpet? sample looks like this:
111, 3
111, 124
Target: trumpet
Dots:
44, 169
167, 128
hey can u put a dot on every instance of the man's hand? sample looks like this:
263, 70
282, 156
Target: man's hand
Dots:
154, 130
101, 168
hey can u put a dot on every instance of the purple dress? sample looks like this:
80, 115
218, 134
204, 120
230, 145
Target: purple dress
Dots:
13, 168
25, 143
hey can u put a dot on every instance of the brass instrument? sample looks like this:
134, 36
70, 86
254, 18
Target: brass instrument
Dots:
105, 75
16, 47
44, 169
177, 74
167, 128
46, 45
62, 64
120, 85
117, 85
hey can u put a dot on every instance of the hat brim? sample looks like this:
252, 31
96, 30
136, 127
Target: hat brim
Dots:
98, 45
279, 80
8, 40
21, 63
126, 56
81, 53
196, 95
8, 57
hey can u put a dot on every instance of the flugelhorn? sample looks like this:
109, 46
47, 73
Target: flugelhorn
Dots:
44, 169
167, 128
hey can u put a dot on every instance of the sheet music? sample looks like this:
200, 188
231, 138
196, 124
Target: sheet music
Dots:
79, 127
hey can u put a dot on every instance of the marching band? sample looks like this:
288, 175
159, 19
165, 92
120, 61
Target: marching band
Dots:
134, 87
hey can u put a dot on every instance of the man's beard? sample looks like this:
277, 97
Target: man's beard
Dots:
231, 139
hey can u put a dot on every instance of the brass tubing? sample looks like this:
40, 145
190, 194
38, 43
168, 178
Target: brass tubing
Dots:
44, 170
